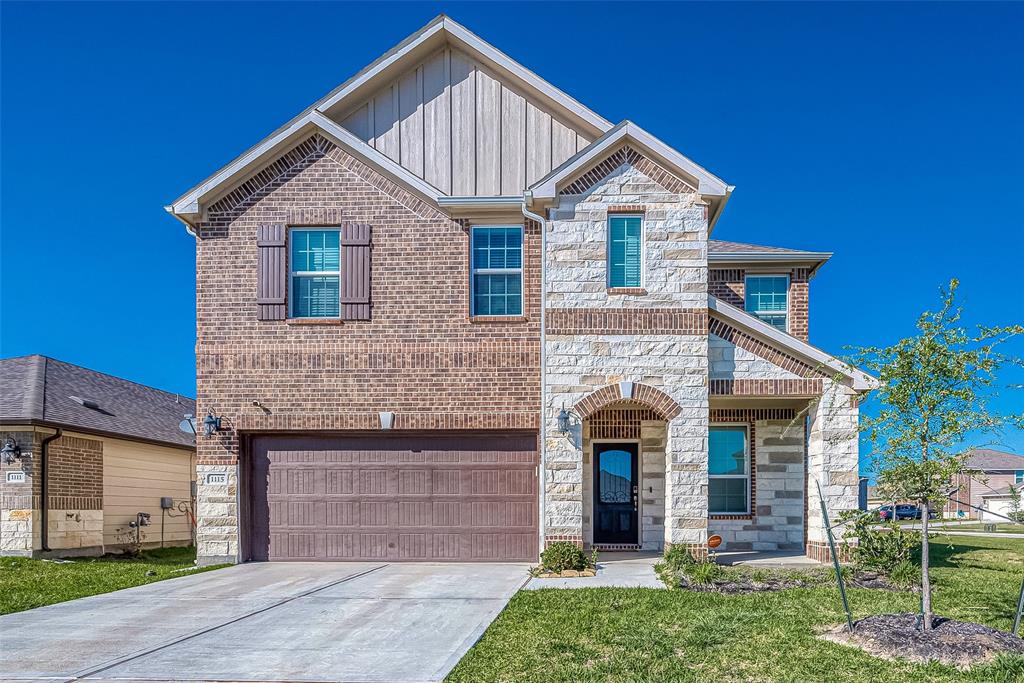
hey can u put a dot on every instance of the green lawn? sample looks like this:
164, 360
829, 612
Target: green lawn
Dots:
1007, 528
621, 634
25, 583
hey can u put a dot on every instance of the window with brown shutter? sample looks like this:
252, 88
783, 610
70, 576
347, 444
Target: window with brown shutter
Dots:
271, 277
355, 271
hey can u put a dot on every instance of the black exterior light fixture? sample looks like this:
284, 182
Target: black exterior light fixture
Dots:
211, 424
563, 421
11, 451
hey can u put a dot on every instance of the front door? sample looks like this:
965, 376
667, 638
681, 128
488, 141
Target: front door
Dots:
615, 493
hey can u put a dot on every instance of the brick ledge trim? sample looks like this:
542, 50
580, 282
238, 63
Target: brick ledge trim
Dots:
573, 321
767, 387
365, 421
656, 399
747, 342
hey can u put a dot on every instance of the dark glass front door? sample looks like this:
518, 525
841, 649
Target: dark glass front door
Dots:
615, 493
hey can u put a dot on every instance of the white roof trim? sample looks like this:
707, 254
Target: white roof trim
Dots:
465, 38
707, 183
190, 205
861, 380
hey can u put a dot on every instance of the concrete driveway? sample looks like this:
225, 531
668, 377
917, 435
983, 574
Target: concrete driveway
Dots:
267, 622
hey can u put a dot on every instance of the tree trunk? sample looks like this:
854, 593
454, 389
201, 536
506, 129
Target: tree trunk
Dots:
926, 584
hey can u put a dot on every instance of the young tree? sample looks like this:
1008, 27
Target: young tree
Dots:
935, 393
1015, 512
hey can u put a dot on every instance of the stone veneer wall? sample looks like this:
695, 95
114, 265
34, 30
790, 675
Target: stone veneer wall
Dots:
728, 361
19, 502
217, 532
645, 345
777, 519
832, 461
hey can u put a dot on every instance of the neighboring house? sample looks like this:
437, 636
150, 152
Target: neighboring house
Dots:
998, 505
89, 452
988, 472
433, 305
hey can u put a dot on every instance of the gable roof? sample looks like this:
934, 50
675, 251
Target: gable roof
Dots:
988, 460
1003, 492
859, 380
322, 115
47, 392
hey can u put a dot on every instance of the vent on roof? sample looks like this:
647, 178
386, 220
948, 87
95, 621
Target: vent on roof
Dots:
86, 401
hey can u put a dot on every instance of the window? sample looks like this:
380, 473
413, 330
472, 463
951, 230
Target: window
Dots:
728, 471
625, 247
767, 298
315, 273
1018, 477
496, 284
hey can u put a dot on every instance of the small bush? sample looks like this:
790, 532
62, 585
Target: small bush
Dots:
563, 555
677, 557
703, 573
905, 574
882, 546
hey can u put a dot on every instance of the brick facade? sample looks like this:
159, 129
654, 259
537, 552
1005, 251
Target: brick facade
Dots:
728, 284
420, 355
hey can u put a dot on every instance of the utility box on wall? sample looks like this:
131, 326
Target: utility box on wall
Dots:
166, 503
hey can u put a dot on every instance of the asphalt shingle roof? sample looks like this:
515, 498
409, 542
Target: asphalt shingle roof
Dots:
724, 247
986, 460
45, 390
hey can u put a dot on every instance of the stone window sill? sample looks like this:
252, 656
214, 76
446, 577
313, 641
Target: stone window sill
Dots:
313, 321
498, 319
635, 291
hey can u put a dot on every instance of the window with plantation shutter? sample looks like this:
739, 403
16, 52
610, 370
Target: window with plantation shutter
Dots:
767, 297
496, 284
315, 272
625, 250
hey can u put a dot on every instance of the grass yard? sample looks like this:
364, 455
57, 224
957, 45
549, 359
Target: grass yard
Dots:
625, 635
34, 583
1007, 528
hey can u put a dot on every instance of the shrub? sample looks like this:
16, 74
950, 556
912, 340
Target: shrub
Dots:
677, 557
882, 546
905, 574
703, 573
563, 555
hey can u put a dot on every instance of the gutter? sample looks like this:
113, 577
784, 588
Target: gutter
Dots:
44, 490
543, 358
191, 229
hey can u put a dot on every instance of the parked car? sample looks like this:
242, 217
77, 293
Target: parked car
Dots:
903, 511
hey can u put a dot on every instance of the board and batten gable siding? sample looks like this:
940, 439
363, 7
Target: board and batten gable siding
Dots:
135, 477
452, 123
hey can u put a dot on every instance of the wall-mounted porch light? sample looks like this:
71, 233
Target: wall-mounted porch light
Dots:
211, 424
11, 451
563, 421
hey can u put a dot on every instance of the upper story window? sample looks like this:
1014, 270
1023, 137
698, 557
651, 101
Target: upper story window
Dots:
625, 250
767, 297
496, 283
728, 470
315, 273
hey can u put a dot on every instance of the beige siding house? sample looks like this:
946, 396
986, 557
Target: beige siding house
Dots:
86, 455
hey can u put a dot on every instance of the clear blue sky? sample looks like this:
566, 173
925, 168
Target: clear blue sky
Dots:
902, 124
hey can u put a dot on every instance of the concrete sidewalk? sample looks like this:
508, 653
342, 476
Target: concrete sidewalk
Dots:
267, 622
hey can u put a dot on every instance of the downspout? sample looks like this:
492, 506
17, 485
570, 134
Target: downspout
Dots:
540, 220
44, 491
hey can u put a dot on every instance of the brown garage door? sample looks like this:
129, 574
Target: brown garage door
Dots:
428, 498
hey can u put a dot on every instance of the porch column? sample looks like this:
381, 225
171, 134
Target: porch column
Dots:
686, 473
832, 461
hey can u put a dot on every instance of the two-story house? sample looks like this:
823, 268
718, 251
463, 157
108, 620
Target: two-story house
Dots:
450, 313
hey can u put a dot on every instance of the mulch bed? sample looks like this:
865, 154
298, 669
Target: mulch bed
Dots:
956, 643
564, 574
746, 584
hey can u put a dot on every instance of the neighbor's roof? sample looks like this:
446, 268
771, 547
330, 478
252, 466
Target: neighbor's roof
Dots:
47, 392
987, 460
1005, 491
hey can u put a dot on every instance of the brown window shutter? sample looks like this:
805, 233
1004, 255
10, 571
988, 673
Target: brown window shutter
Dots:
271, 273
355, 271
